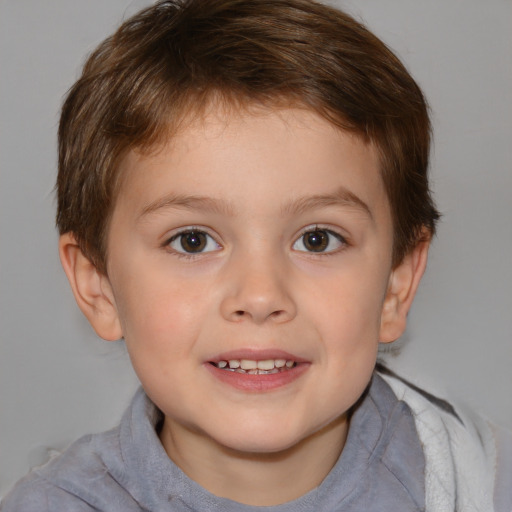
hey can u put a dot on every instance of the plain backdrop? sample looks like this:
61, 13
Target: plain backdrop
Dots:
58, 381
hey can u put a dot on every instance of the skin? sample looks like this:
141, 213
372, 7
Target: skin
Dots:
254, 184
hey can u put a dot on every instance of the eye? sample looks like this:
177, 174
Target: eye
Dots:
319, 240
193, 242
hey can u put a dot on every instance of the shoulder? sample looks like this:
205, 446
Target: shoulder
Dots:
467, 458
36, 494
80, 479
503, 484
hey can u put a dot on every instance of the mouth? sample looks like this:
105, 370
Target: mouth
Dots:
257, 371
255, 367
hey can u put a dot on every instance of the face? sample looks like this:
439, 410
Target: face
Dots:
249, 262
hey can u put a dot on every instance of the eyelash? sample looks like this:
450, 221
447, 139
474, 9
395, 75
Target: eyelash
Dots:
343, 243
208, 239
180, 236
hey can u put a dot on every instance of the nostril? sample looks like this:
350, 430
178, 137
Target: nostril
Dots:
278, 312
240, 313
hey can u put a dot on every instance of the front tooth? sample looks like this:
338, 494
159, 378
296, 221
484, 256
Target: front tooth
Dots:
234, 363
266, 364
279, 363
248, 364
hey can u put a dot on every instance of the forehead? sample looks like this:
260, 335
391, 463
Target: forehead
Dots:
268, 155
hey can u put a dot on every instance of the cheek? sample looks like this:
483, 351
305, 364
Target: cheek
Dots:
348, 306
160, 315
161, 329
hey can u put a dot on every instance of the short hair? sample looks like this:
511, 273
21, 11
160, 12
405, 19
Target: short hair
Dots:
172, 59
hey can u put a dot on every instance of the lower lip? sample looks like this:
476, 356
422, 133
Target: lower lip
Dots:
258, 383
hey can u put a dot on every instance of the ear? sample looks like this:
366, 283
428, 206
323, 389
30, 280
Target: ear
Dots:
91, 288
403, 283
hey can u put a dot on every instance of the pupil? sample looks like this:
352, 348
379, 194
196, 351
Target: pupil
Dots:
316, 241
194, 241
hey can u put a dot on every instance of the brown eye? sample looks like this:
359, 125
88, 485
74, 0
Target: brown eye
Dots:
319, 240
193, 242
316, 241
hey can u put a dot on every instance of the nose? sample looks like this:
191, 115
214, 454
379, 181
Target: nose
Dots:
257, 290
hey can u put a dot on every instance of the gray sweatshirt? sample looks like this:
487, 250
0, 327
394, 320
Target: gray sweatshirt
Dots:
127, 469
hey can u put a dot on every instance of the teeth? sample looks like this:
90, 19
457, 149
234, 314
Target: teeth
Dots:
247, 364
253, 367
268, 364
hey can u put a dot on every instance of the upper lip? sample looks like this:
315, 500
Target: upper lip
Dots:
256, 355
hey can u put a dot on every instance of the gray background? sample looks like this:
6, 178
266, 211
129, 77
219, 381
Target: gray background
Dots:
57, 381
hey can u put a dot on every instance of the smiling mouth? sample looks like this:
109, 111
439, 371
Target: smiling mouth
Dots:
253, 367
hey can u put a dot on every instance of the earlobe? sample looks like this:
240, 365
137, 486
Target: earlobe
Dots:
91, 288
402, 286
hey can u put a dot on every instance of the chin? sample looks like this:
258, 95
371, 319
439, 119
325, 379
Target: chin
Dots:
261, 447
268, 440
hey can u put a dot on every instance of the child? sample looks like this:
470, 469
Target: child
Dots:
243, 197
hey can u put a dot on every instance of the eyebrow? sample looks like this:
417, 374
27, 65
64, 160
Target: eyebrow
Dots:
341, 197
187, 202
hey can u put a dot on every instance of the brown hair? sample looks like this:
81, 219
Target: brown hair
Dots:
171, 59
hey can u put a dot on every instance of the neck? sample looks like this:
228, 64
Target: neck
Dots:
260, 479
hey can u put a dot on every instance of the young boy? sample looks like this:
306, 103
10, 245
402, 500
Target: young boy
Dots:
243, 197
